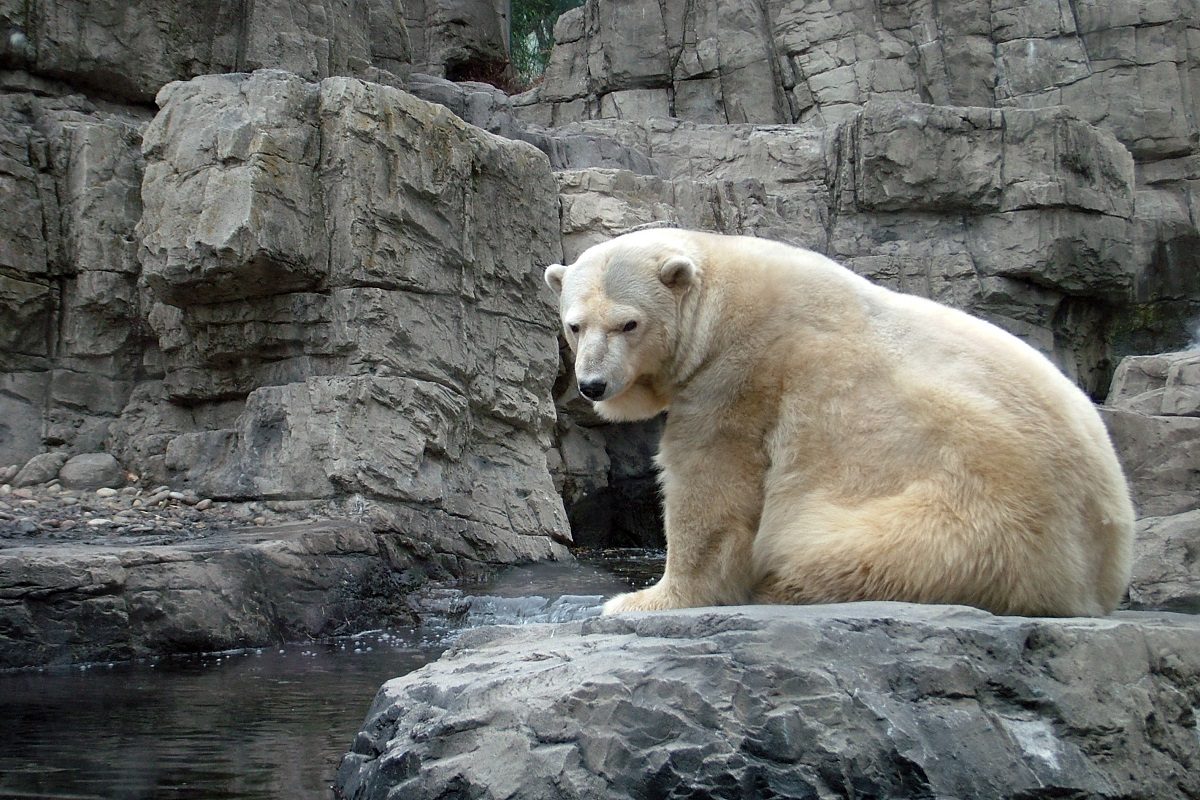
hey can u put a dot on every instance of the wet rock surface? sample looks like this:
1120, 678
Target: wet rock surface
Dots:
172, 580
880, 699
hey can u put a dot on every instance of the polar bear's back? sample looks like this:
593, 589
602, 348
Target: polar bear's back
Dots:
921, 453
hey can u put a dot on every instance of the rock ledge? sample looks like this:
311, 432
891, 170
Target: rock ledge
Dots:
862, 700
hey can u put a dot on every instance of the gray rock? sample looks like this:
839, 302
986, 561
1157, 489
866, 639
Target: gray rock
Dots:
69, 603
42, 468
68, 305
458, 38
977, 208
131, 54
1128, 68
863, 699
1151, 415
1160, 455
386, 334
1166, 565
91, 471
1125, 66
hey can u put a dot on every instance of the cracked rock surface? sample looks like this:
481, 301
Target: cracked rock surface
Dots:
870, 699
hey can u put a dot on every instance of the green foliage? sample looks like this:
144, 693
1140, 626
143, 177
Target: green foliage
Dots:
533, 34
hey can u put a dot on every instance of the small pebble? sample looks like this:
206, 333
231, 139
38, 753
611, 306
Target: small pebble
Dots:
53, 489
106, 492
5, 489
29, 503
130, 490
22, 493
260, 520
204, 504
98, 521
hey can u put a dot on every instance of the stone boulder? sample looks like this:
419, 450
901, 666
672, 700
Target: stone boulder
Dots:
91, 471
869, 699
42, 468
345, 283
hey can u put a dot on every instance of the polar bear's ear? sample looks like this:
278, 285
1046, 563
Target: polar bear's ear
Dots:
554, 275
679, 272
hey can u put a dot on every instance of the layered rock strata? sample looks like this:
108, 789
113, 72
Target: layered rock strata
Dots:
344, 282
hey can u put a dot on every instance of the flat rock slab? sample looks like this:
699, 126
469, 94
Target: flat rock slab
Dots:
857, 700
99, 601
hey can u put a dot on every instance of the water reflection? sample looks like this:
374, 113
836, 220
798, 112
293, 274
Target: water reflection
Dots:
269, 723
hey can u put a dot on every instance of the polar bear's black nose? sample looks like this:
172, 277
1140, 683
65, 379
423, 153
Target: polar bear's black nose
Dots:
593, 390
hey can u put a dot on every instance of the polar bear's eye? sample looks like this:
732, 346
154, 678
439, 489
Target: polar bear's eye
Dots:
629, 326
574, 327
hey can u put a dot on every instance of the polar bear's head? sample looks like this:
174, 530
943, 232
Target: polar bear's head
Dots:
620, 308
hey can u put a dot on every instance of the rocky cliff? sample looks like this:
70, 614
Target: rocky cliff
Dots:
294, 285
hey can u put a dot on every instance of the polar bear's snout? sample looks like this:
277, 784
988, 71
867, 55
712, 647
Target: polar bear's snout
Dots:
593, 390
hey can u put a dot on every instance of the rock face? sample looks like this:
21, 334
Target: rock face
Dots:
70, 342
1152, 413
1129, 64
130, 50
346, 289
885, 700
1127, 68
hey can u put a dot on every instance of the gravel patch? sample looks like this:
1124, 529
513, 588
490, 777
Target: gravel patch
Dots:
49, 513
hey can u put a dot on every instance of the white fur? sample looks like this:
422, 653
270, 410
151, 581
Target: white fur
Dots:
830, 440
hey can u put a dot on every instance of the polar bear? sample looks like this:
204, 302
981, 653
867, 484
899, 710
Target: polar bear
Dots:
829, 440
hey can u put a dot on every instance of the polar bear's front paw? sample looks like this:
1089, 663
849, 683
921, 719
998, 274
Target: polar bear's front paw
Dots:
651, 599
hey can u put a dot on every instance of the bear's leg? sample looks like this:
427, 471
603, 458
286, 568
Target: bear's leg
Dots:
712, 500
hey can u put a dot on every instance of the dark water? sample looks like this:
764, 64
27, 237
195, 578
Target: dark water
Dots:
269, 723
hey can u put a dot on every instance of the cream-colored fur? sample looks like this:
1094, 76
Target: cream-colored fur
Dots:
830, 440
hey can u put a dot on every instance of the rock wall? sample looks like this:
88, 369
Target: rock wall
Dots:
1128, 68
287, 285
344, 283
